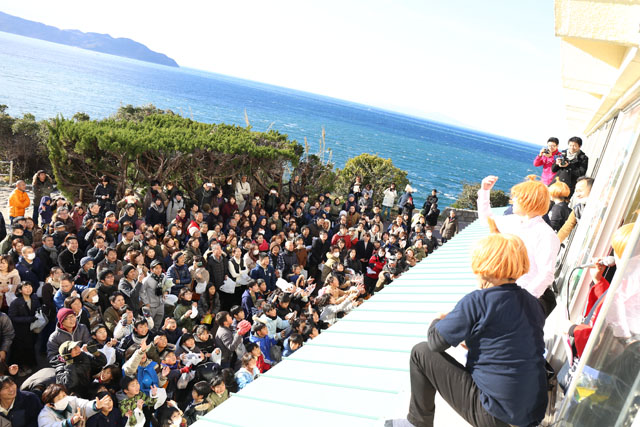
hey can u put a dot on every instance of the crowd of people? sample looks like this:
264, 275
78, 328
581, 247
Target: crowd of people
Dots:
151, 309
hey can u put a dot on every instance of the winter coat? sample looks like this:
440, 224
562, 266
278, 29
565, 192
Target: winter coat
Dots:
558, 215
449, 227
42, 188
148, 294
70, 262
181, 277
59, 336
25, 410
49, 417
45, 211
265, 344
131, 293
155, 215
76, 375
7, 333
268, 275
389, 197
18, 202
31, 273
227, 340
217, 269
21, 317
546, 163
174, 206
110, 191
577, 168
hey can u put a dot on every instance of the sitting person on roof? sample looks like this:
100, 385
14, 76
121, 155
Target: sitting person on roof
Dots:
504, 380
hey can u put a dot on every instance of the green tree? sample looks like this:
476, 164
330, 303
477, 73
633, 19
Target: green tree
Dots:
468, 197
22, 140
374, 170
134, 147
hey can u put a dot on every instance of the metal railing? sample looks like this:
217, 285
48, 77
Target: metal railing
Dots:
2, 168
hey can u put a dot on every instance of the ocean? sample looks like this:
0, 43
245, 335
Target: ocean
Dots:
47, 79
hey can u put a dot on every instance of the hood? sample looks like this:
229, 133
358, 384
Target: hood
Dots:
44, 200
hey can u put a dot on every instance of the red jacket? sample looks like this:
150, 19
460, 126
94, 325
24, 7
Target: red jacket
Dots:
346, 238
376, 264
581, 332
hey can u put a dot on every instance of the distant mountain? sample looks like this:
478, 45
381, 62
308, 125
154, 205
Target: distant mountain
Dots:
91, 41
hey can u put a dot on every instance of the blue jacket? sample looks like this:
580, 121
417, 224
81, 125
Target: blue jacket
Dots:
244, 377
45, 211
59, 297
268, 275
180, 274
147, 377
265, 346
287, 349
247, 306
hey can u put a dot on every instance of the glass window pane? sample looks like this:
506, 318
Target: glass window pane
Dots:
608, 390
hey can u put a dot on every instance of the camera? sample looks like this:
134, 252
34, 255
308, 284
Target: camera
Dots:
546, 151
158, 291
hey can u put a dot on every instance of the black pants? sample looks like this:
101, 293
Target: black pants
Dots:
430, 372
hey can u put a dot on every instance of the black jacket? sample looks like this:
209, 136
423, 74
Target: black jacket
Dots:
114, 419
319, 251
21, 316
558, 214
361, 252
577, 168
70, 263
77, 375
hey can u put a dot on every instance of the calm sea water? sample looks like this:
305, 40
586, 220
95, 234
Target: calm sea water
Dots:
46, 79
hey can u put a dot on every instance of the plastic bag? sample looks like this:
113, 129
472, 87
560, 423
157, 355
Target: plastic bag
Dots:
40, 322
185, 379
229, 286
110, 353
201, 287
243, 280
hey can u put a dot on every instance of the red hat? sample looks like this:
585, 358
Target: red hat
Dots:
63, 313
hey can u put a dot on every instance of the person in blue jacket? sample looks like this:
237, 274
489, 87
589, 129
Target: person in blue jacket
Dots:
260, 336
504, 381
265, 272
179, 272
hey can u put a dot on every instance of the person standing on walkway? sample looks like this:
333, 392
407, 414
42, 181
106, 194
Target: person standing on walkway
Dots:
18, 201
42, 186
449, 227
390, 196
547, 158
571, 164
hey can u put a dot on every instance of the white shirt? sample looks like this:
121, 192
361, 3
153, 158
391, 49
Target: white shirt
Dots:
541, 242
624, 314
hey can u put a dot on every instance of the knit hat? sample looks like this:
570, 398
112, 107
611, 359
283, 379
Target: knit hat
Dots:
110, 213
85, 260
63, 313
155, 262
86, 292
126, 269
58, 224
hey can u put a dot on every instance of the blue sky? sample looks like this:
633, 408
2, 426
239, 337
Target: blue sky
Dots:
493, 66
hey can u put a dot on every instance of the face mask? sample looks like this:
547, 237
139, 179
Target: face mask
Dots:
61, 404
256, 252
31, 257
429, 235
336, 254
381, 254
95, 299
176, 422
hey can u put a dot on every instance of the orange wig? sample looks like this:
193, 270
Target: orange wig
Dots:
532, 196
620, 238
500, 256
559, 190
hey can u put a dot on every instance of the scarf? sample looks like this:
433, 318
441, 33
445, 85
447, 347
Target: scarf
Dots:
571, 156
53, 253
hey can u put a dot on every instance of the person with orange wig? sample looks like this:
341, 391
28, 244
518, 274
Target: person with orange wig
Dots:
560, 211
624, 314
504, 380
530, 201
